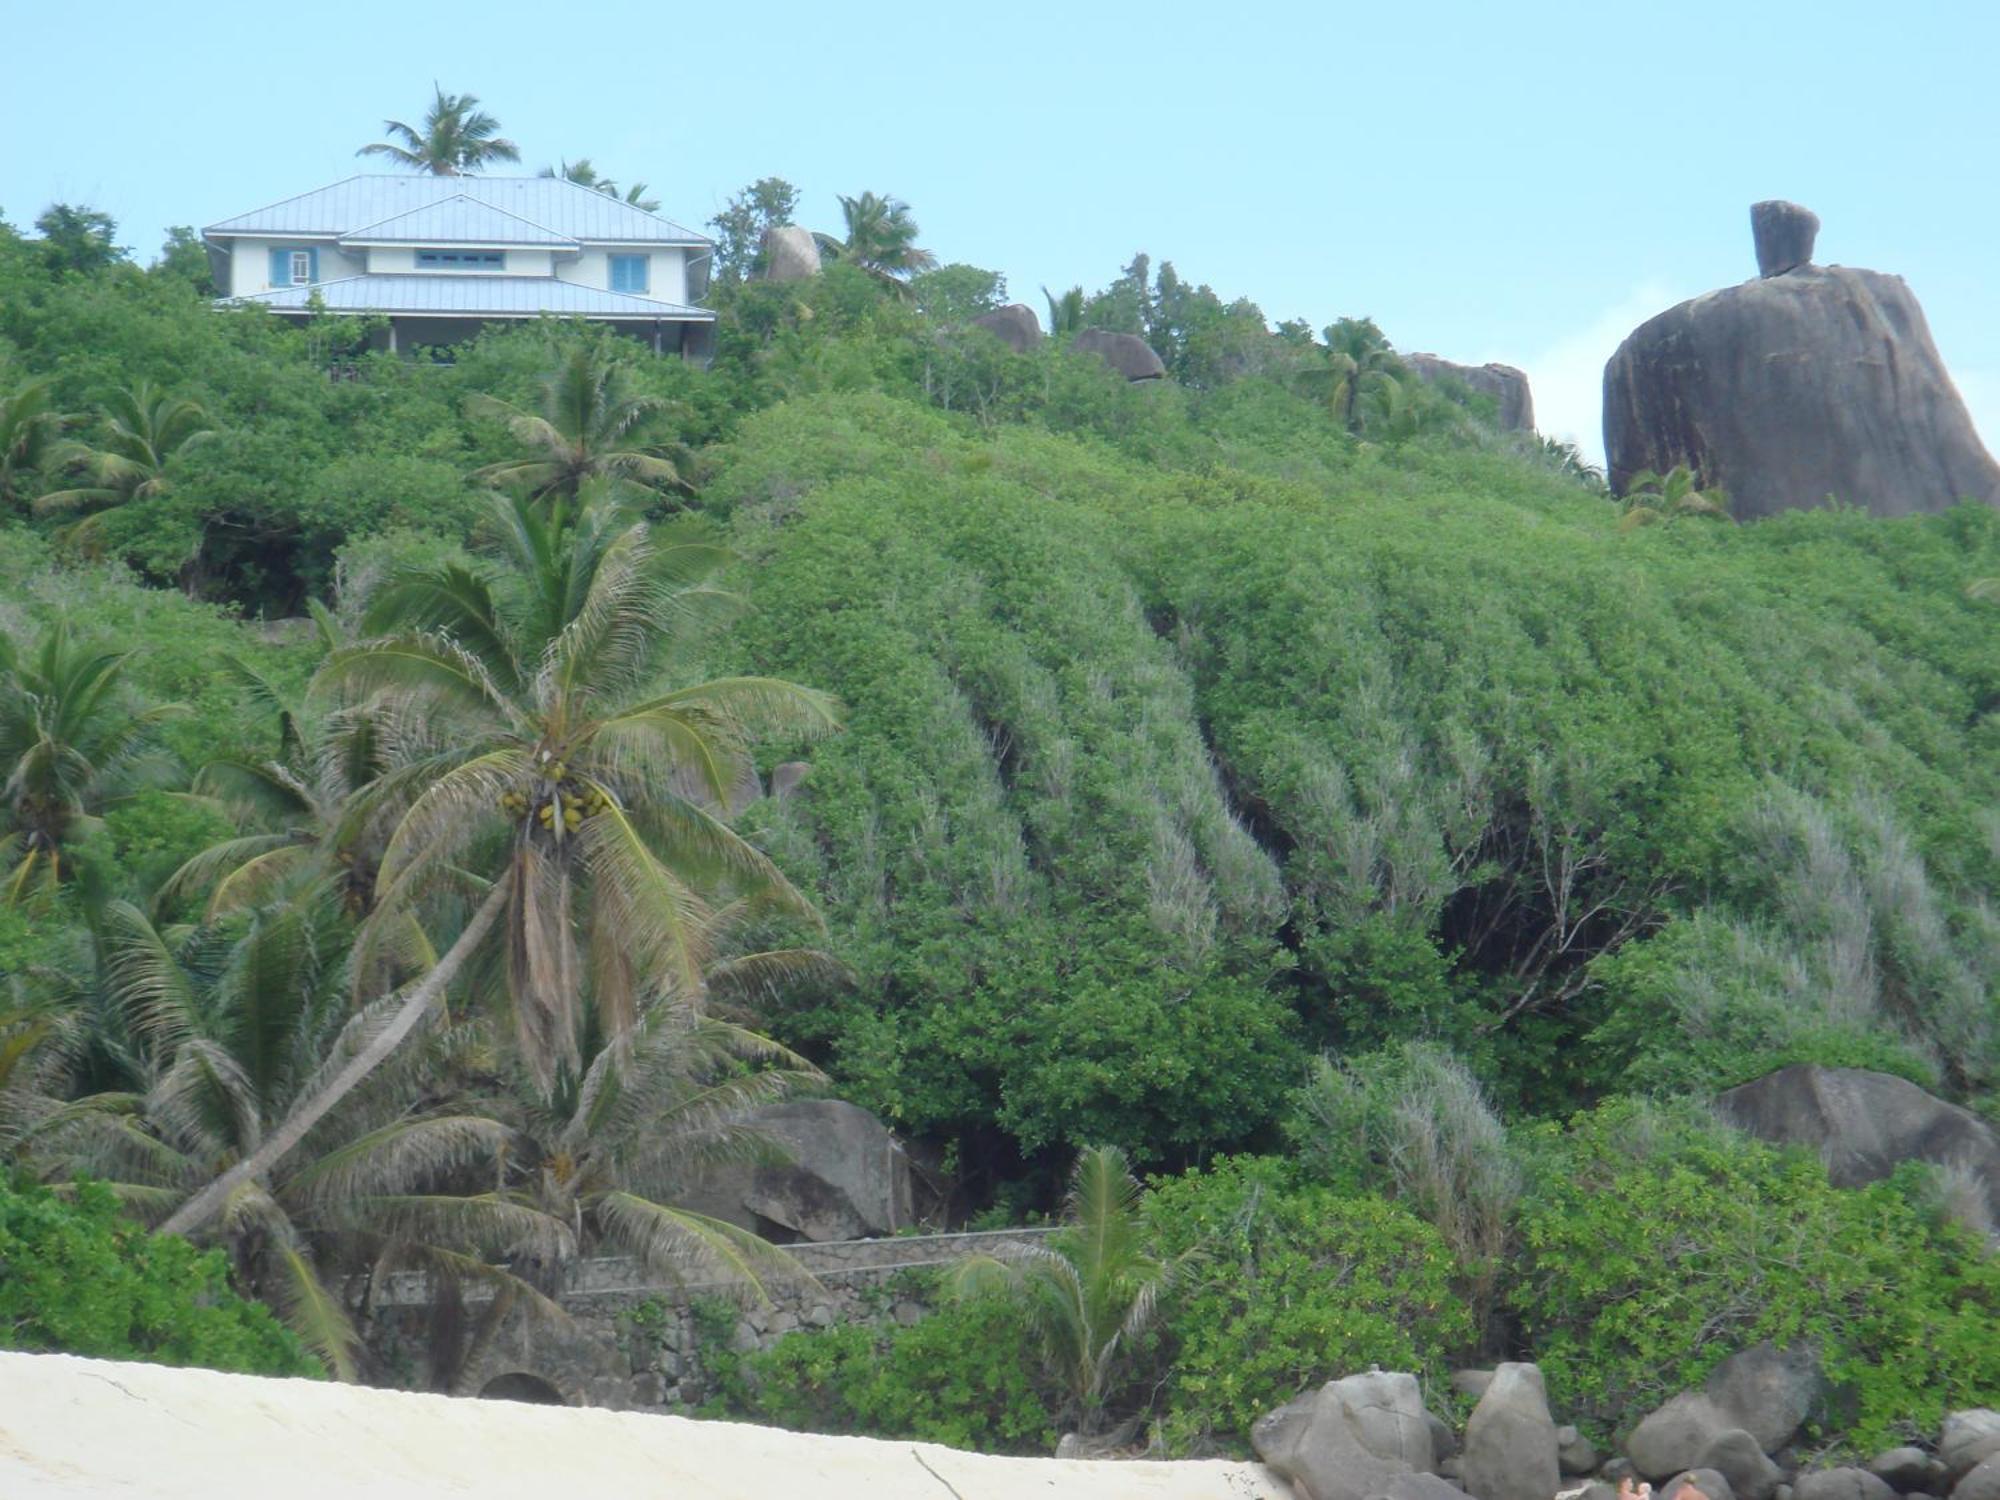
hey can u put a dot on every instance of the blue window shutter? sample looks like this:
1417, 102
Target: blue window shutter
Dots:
281, 268
314, 272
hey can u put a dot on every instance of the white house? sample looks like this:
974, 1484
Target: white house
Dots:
440, 256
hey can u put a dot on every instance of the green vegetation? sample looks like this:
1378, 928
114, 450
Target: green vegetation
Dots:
1272, 783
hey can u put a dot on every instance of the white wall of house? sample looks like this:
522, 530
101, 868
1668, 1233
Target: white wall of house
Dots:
250, 263
667, 277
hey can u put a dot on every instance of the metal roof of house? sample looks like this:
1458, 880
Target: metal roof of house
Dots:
470, 295
457, 220
561, 207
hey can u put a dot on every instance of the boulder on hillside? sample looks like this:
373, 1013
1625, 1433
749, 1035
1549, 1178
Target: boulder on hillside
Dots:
846, 1176
1821, 381
1576, 1453
1983, 1483
1506, 385
1905, 1470
1864, 1124
1766, 1391
1349, 1439
1738, 1458
1414, 1486
1510, 1439
1127, 353
1968, 1439
790, 253
1784, 234
1697, 1484
1015, 325
1840, 1484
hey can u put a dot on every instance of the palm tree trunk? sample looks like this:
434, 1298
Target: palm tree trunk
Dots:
202, 1206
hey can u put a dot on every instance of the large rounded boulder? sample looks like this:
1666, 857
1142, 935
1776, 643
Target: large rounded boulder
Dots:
1807, 383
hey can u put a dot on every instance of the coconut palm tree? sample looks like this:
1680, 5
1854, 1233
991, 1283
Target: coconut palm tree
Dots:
1652, 498
590, 426
1396, 409
221, 1027
456, 137
1088, 1292
583, 174
144, 430
881, 238
1358, 360
30, 428
583, 790
1065, 312
69, 746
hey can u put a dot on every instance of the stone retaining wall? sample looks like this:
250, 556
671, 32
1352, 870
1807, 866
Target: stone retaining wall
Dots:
630, 1341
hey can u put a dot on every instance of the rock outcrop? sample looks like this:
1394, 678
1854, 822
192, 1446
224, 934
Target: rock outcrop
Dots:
790, 254
1808, 382
1863, 1124
846, 1176
1510, 1439
1764, 1392
1015, 325
1127, 353
1506, 385
1351, 1439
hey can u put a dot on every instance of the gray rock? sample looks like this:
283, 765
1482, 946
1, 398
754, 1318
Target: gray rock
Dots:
1127, 353
1015, 325
1787, 389
1510, 1440
1905, 1470
1414, 1486
788, 776
1983, 1483
1784, 235
1736, 1456
1768, 1391
1617, 1469
1452, 1468
1471, 1383
1967, 1440
1349, 1438
1708, 1482
1840, 1484
1506, 385
1444, 1442
1575, 1452
790, 254
845, 1178
1675, 1436
1863, 1124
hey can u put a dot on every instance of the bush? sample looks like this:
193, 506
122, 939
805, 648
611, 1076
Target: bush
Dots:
965, 1376
1300, 1285
1658, 1243
76, 1278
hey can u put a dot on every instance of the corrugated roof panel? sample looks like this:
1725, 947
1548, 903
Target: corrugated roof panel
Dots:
473, 296
562, 207
457, 221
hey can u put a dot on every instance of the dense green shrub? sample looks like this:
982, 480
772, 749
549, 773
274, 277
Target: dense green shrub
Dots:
1656, 1243
76, 1278
1298, 1285
966, 1375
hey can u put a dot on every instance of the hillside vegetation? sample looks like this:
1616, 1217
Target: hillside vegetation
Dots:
1221, 765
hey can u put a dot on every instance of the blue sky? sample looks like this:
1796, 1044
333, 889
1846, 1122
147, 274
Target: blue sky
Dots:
1521, 181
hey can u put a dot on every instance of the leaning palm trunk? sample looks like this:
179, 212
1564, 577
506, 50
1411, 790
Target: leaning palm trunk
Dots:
203, 1206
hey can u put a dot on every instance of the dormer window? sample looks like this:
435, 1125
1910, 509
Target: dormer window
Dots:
294, 265
461, 260
302, 268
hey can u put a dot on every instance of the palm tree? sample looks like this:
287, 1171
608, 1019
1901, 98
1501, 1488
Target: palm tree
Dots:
1986, 590
1091, 1290
881, 239
1651, 498
614, 1145
68, 747
457, 136
145, 429
222, 1026
585, 788
1065, 312
1358, 359
583, 174
590, 426
1399, 408
29, 429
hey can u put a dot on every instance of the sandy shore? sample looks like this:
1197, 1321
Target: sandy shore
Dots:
78, 1427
